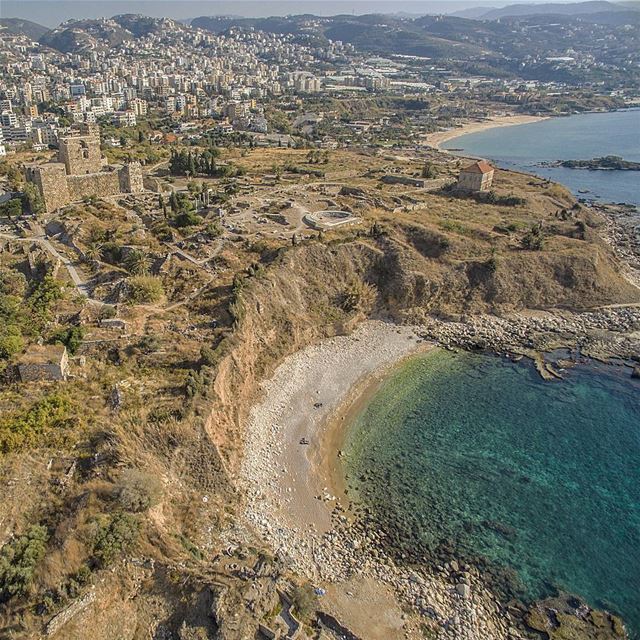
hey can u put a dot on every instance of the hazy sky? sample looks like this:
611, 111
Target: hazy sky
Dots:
51, 12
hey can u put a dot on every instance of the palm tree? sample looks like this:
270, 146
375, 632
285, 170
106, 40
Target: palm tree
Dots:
93, 251
137, 262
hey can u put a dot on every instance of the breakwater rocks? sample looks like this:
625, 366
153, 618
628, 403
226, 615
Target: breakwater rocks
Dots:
604, 334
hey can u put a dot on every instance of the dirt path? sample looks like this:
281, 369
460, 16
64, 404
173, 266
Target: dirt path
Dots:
79, 282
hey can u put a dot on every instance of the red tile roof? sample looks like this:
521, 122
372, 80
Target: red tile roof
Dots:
478, 167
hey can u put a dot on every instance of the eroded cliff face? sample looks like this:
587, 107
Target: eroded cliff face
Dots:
404, 274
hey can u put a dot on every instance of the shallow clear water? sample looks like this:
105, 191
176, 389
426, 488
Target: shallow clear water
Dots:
579, 137
540, 477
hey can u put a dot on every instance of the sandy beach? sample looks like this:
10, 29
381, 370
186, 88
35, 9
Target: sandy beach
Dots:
294, 505
440, 137
306, 399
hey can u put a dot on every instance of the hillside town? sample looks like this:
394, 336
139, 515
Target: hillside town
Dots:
263, 84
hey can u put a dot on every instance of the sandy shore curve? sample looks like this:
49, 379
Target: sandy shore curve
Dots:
292, 504
438, 138
288, 481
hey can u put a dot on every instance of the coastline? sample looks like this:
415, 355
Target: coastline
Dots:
438, 138
294, 495
295, 500
302, 402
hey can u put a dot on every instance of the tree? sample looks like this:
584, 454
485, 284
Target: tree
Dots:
138, 491
12, 209
32, 200
429, 170
187, 219
173, 202
137, 262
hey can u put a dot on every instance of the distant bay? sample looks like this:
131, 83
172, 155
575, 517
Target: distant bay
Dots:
579, 137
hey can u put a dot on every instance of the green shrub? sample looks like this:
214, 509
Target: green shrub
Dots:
43, 423
194, 384
208, 356
71, 338
187, 219
113, 535
138, 491
18, 561
214, 230
504, 201
11, 341
533, 239
11, 209
144, 290
304, 600
43, 293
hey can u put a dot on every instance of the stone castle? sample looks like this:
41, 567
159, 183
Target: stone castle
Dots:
82, 171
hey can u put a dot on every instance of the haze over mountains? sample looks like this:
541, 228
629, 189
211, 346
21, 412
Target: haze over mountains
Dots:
50, 13
555, 8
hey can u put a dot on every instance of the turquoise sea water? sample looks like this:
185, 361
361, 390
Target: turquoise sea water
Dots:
539, 477
579, 137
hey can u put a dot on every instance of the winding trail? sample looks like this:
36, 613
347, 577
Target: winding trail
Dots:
79, 283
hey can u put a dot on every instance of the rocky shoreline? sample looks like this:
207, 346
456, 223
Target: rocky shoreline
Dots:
622, 233
608, 334
450, 597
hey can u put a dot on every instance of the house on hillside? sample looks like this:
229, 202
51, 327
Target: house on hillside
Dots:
44, 362
476, 177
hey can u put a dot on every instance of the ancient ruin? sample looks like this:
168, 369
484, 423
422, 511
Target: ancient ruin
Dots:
81, 171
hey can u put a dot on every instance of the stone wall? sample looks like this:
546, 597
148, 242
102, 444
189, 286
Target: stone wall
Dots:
131, 180
393, 179
152, 184
51, 181
104, 183
471, 181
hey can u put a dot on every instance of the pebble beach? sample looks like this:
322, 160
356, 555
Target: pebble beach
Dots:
293, 502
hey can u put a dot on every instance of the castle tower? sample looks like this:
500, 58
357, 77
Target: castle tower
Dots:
131, 180
81, 154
